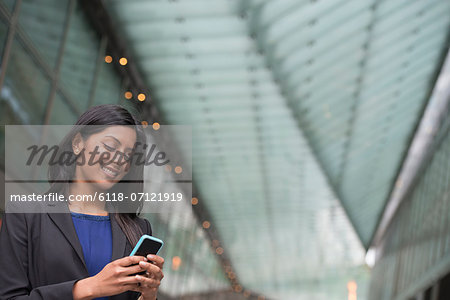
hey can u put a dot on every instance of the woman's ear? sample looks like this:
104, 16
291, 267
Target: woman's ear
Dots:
77, 144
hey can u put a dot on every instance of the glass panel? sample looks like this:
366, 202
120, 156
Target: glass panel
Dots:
24, 93
108, 89
25, 90
43, 21
79, 60
9, 4
62, 113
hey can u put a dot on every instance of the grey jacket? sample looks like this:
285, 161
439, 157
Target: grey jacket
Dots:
41, 256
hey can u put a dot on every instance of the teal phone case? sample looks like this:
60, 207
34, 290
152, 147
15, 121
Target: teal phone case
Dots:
141, 240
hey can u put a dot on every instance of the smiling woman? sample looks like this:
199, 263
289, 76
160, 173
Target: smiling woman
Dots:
82, 253
110, 152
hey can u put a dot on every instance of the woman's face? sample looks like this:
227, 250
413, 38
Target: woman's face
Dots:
106, 156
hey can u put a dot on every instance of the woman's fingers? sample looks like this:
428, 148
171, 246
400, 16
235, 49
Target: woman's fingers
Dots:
148, 282
133, 270
129, 280
152, 269
133, 287
156, 259
129, 260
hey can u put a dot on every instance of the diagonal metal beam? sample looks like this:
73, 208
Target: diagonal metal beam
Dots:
13, 20
253, 21
393, 203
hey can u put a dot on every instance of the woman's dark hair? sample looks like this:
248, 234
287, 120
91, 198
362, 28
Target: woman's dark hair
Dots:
95, 120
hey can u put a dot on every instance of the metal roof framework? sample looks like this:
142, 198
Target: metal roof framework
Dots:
302, 113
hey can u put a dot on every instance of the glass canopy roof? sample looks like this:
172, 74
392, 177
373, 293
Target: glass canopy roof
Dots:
301, 114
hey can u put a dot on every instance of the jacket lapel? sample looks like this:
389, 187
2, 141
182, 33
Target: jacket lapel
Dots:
64, 222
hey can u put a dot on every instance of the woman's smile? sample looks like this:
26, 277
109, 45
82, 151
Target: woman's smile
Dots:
109, 171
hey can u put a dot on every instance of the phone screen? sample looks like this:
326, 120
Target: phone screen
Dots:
147, 247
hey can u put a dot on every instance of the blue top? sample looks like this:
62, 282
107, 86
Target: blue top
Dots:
95, 236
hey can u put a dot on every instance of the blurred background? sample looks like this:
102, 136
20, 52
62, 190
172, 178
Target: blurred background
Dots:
320, 132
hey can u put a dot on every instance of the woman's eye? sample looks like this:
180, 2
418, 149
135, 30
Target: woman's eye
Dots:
109, 148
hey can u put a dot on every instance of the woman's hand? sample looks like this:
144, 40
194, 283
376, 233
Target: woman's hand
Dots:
113, 279
151, 281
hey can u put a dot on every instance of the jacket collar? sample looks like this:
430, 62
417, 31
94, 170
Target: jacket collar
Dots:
63, 220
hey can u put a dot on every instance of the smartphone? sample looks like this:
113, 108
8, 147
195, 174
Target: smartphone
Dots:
147, 245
